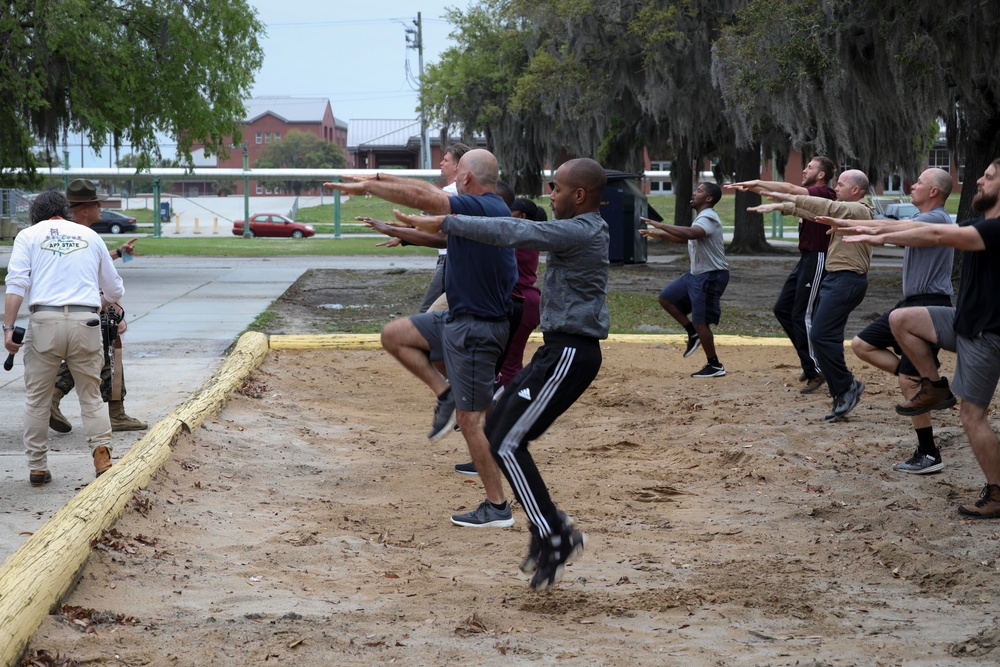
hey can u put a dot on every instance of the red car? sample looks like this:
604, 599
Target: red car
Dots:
273, 224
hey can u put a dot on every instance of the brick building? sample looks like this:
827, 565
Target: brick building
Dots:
268, 119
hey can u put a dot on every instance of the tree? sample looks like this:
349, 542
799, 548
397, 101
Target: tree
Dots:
867, 82
125, 68
300, 150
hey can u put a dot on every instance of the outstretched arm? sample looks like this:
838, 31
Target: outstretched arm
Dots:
673, 232
759, 186
403, 191
923, 234
408, 234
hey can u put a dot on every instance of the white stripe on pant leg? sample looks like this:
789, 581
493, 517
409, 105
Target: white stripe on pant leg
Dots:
521, 428
811, 301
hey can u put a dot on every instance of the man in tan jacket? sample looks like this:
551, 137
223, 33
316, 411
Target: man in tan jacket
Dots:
844, 286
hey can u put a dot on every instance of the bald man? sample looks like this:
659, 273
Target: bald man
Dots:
574, 320
926, 282
844, 286
471, 335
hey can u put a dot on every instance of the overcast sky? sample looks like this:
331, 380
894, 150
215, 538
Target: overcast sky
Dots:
352, 52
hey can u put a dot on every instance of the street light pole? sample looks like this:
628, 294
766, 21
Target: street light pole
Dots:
418, 44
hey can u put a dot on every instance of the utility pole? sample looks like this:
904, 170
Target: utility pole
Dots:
415, 39
246, 190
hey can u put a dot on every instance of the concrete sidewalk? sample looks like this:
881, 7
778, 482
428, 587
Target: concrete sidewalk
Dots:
183, 313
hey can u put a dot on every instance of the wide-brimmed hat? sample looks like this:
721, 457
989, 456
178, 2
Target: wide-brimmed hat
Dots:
83, 191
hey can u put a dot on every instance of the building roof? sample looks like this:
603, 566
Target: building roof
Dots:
289, 109
381, 133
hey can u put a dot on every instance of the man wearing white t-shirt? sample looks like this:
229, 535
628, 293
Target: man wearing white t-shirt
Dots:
66, 266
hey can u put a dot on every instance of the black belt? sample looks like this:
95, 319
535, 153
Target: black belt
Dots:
65, 309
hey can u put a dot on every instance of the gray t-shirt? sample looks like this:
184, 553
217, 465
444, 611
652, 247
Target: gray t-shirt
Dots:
928, 270
709, 252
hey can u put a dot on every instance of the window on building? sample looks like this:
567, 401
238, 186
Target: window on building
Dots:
267, 191
940, 158
277, 136
267, 138
277, 191
260, 189
658, 185
260, 138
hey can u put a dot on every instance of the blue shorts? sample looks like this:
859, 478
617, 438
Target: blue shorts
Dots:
698, 295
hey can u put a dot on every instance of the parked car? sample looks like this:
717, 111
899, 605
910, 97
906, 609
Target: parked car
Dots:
273, 224
113, 222
899, 211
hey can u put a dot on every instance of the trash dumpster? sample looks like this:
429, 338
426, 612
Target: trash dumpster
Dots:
164, 211
622, 205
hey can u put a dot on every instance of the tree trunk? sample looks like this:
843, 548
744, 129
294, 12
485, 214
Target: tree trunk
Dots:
979, 145
681, 180
748, 237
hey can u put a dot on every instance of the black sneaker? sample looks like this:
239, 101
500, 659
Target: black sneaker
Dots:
466, 468
693, 344
812, 384
530, 562
485, 516
710, 371
920, 464
552, 559
444, 417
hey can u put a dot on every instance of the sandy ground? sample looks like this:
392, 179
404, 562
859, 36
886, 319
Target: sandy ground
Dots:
728, 524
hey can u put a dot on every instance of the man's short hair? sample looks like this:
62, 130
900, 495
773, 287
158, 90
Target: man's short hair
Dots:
714, 191
47, 205
482, 166
826, 166
457, 150
858, 178
589, 175
941, 180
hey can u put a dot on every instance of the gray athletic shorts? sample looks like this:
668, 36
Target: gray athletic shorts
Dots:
977, 370
470, 347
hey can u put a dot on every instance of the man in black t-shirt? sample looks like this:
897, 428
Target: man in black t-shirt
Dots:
971, 328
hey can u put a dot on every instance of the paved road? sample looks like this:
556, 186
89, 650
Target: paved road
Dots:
183, 313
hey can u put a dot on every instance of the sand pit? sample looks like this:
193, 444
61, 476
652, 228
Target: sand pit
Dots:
728, 524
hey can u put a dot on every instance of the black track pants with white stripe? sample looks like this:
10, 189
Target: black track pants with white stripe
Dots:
558, 374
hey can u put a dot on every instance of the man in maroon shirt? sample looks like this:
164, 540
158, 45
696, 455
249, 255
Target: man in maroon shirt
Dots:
799, 295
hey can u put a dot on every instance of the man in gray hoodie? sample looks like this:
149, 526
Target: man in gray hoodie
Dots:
574, 320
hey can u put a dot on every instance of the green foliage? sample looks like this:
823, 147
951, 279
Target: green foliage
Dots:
126, 68
141, 162
300, 150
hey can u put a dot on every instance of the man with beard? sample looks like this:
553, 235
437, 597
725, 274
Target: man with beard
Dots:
971, 328
799, 296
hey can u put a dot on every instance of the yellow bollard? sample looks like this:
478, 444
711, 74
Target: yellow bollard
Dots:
215, 225
177, 223
196, 230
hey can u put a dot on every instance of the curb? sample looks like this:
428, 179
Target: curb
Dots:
34, 579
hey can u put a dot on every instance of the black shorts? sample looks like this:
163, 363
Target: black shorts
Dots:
879, 335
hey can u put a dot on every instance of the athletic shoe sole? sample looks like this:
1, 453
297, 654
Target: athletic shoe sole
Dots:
466, 469
919, 471
443, 431
498, 523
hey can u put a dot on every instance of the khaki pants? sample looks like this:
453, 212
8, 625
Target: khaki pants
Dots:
52, 337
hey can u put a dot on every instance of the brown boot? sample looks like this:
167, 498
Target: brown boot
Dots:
121, 421
988, 505
927, 398
58, 422
102, 460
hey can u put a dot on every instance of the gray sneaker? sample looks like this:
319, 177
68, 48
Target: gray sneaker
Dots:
920, 464
485, 516
444, 417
